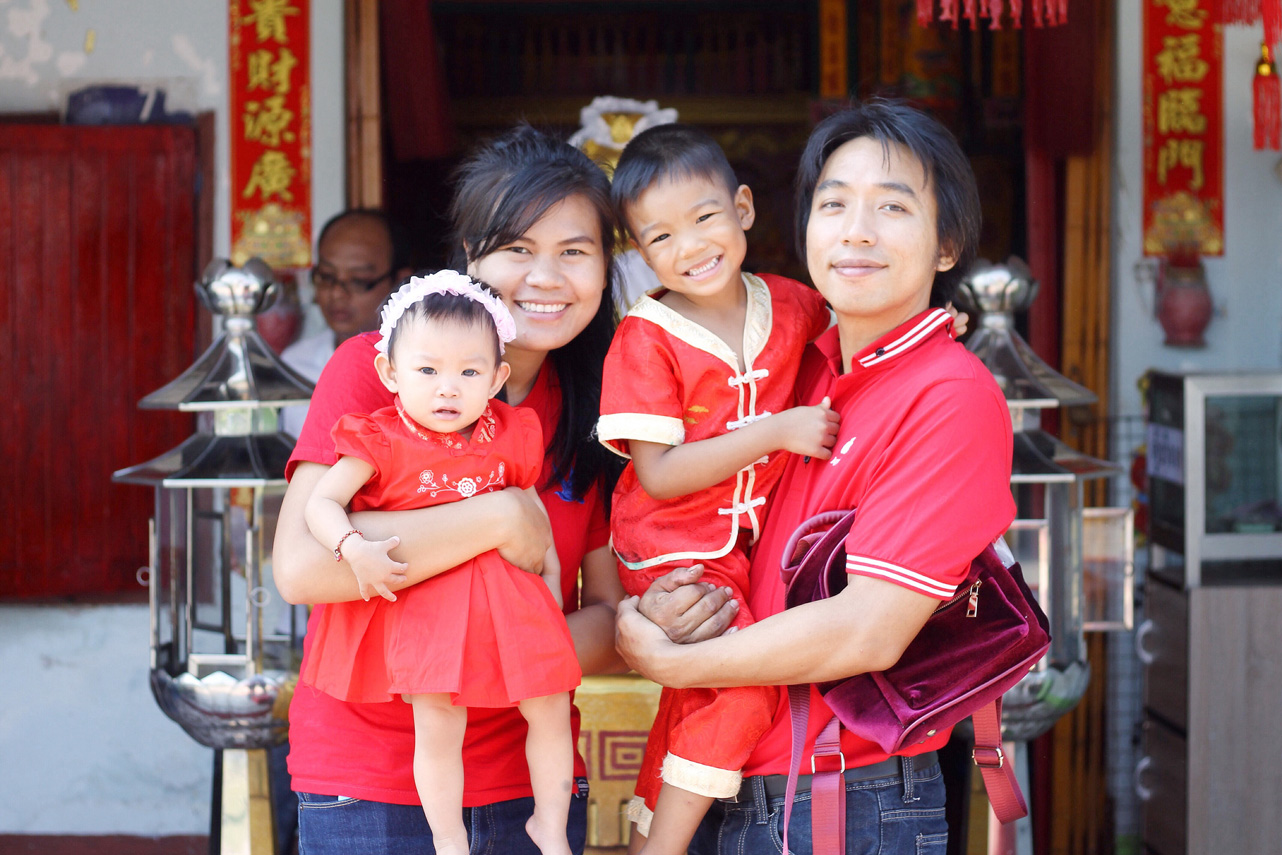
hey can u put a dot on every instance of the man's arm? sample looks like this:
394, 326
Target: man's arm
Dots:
433, 540
864, 628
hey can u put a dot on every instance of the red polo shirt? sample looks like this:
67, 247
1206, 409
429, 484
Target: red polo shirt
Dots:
367, 750
924, 453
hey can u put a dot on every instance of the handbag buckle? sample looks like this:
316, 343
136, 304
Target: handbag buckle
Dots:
990, 755
840, 771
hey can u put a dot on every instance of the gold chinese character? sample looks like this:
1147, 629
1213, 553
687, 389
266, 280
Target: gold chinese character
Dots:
269, 71
1186, 153
1180, 59
268, 19
1179, 111
1183, 13
272, 175
267, 120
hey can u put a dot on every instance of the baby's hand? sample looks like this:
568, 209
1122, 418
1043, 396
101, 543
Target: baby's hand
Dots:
373, 567
810, 431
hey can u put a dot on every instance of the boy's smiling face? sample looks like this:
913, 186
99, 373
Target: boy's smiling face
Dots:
690, 230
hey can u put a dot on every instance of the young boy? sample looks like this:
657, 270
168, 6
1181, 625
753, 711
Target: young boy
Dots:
698, 392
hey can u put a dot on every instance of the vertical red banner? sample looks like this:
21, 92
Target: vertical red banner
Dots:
1183, 69
270, 110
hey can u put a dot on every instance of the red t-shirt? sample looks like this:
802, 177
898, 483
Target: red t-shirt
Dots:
366, 750
924, 453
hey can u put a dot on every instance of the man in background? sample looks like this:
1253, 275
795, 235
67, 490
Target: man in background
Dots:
360, 260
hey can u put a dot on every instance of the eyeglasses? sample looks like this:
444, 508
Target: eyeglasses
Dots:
322, 281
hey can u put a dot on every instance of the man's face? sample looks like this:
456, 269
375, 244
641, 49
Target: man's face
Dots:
871, 243
356, 251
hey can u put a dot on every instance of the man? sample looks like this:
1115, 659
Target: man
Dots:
887, 220
359, 262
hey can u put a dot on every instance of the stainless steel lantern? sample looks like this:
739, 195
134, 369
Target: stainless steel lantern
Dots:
1074, 558
224, 645
1056, 539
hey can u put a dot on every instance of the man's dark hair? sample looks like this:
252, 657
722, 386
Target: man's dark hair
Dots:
502, 189
395, 234
947, 171
668, 152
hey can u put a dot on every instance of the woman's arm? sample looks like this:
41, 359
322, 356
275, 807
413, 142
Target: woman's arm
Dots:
864, 628
433, 540
592, 625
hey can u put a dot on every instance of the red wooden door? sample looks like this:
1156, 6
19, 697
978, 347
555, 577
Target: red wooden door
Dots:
97, 250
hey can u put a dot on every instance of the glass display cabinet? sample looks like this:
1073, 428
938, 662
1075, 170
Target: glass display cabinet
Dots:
1215, 478
1208, 643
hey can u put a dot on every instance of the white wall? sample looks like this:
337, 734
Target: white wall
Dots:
1246, 283
83, 747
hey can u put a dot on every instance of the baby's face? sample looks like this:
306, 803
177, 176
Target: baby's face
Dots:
445, 373
690, 231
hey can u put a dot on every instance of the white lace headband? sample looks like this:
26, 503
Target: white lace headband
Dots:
443, 282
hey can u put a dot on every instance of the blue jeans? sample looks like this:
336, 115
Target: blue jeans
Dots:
332, 826
883, 817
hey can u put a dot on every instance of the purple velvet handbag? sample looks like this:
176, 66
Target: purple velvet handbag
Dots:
970, 651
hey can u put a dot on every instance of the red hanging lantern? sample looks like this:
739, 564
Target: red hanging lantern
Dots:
1253, 12
1267, 102
1047, 13
1271, 12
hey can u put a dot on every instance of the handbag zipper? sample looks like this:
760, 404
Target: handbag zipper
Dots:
972, 607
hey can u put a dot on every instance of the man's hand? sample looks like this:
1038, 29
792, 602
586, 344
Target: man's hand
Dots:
374, 568
528, 535
643, 644
686, 609
809, 431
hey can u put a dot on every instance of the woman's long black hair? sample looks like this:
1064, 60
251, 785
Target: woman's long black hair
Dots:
501, 190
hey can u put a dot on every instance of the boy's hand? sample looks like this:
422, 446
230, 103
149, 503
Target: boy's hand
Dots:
373, 567
809, 431
961, 320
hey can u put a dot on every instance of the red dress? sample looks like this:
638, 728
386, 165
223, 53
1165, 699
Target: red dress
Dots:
669, 380
485, 632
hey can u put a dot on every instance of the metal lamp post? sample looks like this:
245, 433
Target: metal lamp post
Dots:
224, 645
1073, 557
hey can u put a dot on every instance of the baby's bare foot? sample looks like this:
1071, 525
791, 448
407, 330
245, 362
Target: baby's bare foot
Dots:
548, 837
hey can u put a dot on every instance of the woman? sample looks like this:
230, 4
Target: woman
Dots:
531, 218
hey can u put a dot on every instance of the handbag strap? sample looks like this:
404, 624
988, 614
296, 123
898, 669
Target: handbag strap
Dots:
799, 715
999, 778
827, 786
828, 791
828, 794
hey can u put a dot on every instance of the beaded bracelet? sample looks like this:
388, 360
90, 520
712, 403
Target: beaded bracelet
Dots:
338, 547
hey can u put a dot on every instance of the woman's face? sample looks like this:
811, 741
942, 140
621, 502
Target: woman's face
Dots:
552, 278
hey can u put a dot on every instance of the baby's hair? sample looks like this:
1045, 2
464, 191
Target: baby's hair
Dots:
671, 151
450, 308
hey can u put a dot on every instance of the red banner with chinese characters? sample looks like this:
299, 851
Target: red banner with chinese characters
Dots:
1183, 70
271, 131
